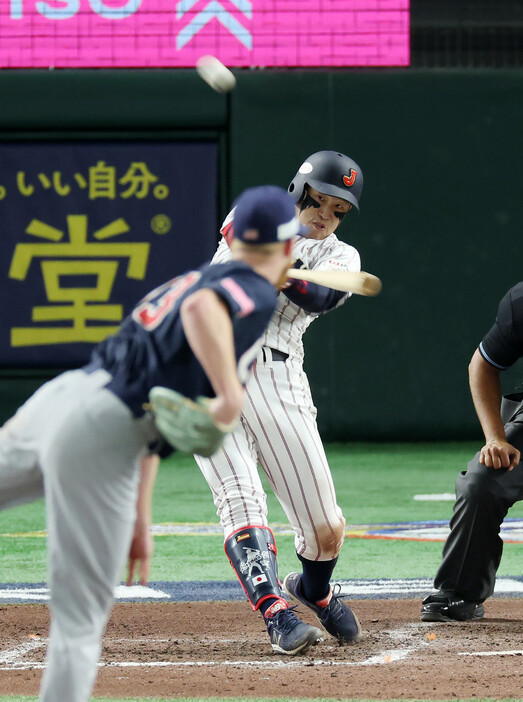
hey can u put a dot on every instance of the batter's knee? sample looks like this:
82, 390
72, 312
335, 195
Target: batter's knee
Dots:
325, 541
331, 540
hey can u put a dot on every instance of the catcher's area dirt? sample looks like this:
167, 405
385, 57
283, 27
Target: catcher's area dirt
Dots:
222, 649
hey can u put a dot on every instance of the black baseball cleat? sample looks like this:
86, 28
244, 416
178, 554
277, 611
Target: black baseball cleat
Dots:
442, 607
334, 614
289, 635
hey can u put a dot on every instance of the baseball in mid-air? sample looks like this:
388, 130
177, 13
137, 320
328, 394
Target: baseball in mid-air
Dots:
215, 74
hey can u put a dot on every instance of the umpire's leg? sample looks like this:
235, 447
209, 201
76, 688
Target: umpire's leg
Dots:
472, 552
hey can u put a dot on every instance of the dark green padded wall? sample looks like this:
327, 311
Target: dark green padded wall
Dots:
440, 223
440, 213
108, 100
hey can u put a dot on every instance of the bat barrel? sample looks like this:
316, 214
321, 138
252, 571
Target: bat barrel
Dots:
372, 284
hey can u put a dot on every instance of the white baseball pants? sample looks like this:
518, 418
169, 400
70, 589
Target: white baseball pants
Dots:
278, 430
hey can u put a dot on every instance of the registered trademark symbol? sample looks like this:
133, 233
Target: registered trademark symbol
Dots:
161, 224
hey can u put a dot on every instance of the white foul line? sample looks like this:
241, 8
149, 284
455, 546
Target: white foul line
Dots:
380, 659
491, 653
11, 659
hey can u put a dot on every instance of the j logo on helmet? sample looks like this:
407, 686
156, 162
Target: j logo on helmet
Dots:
350, 179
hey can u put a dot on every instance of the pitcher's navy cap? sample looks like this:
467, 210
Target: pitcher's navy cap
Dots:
265, 215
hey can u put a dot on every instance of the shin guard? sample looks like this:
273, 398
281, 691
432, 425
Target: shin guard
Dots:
252, 554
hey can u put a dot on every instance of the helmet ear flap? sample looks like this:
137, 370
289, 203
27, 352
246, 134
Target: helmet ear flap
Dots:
297, 189
303, 195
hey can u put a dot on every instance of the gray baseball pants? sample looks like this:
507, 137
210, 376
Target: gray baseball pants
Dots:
473, 549
79, 444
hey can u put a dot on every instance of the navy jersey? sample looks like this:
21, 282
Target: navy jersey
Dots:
150, 347
503, 344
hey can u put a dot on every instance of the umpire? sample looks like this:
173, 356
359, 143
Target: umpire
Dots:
493, 481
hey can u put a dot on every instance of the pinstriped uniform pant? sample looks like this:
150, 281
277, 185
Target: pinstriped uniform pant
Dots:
278, 432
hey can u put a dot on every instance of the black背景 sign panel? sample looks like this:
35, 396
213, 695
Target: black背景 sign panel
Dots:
86, 229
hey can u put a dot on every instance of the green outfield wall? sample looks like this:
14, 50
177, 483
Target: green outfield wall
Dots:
440, 218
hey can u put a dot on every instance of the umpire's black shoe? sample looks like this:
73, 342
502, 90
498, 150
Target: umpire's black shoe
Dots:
334, 614
445, 607
288, 634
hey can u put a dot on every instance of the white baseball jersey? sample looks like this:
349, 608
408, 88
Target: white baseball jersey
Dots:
278, 428
290, 322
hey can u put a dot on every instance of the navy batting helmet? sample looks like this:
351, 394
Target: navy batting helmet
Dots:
330, 173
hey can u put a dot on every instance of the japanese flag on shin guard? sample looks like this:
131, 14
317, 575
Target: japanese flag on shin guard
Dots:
252, 554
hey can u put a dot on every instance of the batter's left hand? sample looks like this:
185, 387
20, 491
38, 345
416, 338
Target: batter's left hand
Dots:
140, 554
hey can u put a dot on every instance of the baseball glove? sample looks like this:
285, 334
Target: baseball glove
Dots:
187, 425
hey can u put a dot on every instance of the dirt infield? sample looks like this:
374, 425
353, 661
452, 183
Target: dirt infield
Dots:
222, 649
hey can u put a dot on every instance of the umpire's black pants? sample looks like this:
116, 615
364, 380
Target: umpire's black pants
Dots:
472, 552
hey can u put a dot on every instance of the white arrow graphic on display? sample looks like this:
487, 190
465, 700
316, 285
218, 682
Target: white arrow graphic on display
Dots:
184, 6
211, 10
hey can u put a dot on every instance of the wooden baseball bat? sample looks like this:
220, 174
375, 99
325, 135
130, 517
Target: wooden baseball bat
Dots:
360, 283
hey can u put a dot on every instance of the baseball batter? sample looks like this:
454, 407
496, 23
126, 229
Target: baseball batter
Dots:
278, 426
84, 432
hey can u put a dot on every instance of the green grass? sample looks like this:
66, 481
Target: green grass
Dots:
375, 483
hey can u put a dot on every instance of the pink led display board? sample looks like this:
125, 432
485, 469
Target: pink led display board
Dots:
175, 33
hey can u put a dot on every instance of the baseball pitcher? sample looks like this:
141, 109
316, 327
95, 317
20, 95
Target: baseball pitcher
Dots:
176, 366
